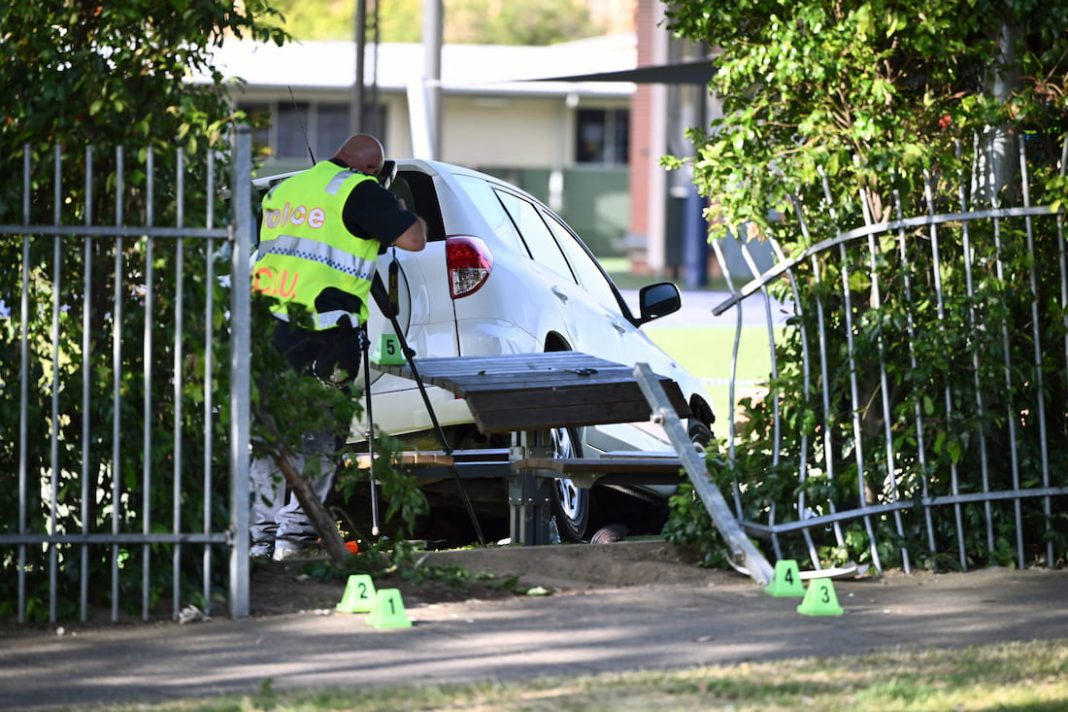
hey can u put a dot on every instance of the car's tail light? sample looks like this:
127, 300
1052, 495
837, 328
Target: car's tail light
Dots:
469, 262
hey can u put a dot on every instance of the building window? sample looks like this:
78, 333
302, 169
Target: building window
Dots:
331, 128
602, 136
293, 126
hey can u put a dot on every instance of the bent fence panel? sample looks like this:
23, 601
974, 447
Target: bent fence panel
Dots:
915, 412
127, 447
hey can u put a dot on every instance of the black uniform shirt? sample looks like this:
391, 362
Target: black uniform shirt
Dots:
373, 212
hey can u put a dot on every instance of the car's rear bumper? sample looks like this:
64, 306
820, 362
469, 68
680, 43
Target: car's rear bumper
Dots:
402, 410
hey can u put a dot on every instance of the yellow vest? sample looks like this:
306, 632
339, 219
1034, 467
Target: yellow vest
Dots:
305, 248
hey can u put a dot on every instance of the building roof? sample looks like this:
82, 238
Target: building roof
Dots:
465, 68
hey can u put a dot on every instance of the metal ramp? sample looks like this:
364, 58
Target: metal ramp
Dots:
741, 552
527, 394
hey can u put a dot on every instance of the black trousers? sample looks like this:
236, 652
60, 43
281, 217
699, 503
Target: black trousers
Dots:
319, 352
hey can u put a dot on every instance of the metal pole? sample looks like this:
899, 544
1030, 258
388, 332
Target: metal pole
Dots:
116, 396
365, 348
146, 465
356, 107
884, 384
910, 324
1036, 335
83, 606
741, 549
240, 334
381, 298
432, 40
24, 381
936, 269
209, 359
980, 408
57, 271
179, 329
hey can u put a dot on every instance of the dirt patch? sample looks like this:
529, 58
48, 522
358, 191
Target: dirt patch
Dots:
287, 587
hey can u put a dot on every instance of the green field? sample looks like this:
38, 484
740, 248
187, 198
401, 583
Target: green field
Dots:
706, 353
1006, 676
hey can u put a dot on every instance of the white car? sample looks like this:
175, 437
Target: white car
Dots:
501, 274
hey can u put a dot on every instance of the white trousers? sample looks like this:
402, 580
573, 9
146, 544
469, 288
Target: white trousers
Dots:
278, 516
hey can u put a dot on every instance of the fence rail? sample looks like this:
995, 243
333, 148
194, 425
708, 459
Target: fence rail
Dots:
92, 488
924, 399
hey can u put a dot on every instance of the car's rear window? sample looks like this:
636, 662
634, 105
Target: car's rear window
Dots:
417, 191
489, 206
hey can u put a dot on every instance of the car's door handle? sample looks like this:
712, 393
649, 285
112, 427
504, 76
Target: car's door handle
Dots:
560, 295
617, 326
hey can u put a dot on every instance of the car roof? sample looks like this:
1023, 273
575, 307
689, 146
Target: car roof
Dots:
423, 165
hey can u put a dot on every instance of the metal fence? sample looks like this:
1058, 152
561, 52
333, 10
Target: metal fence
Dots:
916, 395
95, 499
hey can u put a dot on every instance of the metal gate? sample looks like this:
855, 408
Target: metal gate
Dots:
94, 493
923, 401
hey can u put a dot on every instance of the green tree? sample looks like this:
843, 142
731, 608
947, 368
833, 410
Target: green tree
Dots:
860, 89
466, 21
107, 73
880, 97
136, 76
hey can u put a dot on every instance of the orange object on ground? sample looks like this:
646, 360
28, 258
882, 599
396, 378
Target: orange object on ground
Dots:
353, 547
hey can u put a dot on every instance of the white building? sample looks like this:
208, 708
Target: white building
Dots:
566, 142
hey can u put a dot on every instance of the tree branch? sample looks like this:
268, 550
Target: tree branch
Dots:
309, 501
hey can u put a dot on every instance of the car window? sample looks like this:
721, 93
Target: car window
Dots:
586, 269
536, 234
417, 190
481, 194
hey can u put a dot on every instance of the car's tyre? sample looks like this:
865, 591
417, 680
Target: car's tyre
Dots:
571, 504
700, 434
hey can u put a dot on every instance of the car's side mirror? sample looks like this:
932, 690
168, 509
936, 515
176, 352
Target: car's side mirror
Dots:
657, 300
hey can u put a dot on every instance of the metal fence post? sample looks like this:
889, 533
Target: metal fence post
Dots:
240, 316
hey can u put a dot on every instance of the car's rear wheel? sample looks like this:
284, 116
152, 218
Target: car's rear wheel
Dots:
700, 434
571, 504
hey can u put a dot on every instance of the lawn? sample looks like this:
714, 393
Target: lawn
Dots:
706, 353
1031, 676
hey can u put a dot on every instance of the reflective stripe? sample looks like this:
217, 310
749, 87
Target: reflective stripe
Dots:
320, 252
337, 181
330, 318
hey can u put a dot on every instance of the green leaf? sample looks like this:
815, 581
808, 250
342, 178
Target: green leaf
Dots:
928, 405
940, 441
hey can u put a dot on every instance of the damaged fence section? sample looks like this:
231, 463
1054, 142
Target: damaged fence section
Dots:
915, 412
124, 383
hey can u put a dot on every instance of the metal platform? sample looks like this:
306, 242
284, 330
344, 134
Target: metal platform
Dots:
529, 395
524, 392
526, 396
616, 468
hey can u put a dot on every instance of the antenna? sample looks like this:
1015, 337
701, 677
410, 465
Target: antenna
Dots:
301, 124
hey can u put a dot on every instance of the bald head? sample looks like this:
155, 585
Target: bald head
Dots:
362, 152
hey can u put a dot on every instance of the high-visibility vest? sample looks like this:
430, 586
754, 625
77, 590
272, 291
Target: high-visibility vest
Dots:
305, 248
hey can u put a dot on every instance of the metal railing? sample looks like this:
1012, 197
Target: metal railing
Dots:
95, 491
945, 457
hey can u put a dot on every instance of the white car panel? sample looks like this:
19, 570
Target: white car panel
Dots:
495, 337
543, 287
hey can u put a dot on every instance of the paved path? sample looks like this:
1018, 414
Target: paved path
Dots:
662, 626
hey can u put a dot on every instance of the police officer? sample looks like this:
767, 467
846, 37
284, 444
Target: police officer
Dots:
322, 230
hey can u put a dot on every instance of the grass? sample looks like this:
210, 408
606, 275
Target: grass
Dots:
1023, 676
706, 353
618, 268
